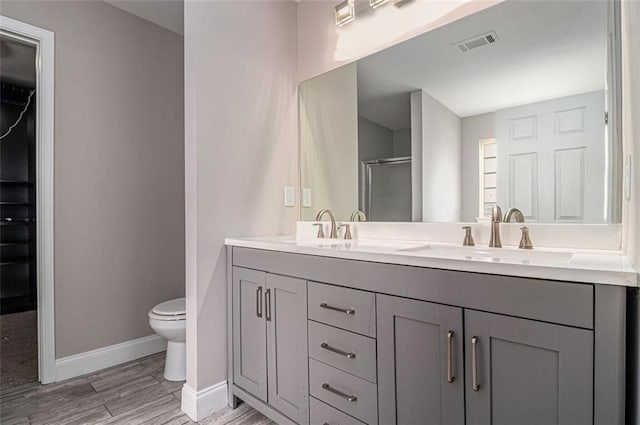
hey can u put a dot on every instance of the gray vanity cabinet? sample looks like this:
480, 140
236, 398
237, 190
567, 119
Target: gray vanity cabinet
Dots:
249, 332
523, 372
450, 347
270, 340
286, 316
420, 362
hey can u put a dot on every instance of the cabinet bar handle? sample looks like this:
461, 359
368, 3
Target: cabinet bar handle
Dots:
351, 398
475, 385
450, 376
267, 301
349, 311
259, 301
337, 351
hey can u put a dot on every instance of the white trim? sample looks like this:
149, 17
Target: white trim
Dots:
101, 358
200, 404
44, 40
481, 158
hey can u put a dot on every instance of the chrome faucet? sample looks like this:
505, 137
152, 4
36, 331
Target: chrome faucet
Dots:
496, 219
515, 213
333, 234
358, 215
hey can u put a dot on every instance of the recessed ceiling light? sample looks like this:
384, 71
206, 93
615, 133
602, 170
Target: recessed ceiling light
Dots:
345, 13
377, 3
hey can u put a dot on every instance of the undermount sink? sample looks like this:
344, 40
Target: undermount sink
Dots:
495, 255
325, 242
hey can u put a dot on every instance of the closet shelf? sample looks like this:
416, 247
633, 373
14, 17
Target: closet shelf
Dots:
15, 260
15, 243
16, 182
8, 221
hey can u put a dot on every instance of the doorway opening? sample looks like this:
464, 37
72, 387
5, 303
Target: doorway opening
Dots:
27, 344
18, 253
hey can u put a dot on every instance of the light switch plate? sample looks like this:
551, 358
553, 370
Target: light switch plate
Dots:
627, 178
289, 196
306, 197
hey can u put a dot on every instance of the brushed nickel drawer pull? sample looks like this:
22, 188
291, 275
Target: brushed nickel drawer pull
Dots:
450, 375
337, 351
349, 311
351, 398
475, 385
267, 301
259, 301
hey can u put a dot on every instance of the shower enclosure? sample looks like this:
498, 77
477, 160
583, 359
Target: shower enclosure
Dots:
386, 192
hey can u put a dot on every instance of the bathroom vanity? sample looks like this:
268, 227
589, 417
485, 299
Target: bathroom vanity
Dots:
352, 335
442, 129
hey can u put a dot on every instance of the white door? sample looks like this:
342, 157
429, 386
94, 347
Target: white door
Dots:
551, 159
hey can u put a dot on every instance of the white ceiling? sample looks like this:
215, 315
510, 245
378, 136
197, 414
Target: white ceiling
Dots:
546, 50
166, 13
17, 62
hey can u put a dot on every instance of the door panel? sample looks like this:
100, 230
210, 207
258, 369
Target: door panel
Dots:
551, 159
413, 365
286, 316
527, 372
249, 333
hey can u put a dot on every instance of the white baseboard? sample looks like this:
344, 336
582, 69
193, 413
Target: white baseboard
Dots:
200, 404
101, 358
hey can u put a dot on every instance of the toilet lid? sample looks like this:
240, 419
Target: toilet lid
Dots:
170, 308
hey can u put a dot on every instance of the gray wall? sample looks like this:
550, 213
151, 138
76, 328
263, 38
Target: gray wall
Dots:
329, 142
119, 170
441, 162
374, 141
402, 142
241, 144
474, 129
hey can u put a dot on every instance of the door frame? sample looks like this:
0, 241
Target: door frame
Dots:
44, 42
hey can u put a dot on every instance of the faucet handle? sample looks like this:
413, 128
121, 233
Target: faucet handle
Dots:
320, 229
347, 232
468, 238
525, 240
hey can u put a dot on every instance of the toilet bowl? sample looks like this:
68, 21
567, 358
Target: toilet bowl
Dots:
168, 319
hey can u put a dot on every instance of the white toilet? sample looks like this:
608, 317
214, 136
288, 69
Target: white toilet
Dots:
168, 319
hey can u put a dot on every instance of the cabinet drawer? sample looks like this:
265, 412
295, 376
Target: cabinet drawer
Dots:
323, 414
352, 353
344, 308
334, 387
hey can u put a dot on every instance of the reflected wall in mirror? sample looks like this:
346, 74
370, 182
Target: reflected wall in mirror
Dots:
514, 105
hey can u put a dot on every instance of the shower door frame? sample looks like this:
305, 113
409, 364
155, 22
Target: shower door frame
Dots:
43, 40
365, 193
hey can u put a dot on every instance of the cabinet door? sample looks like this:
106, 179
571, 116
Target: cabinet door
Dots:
526, 372
420, 362
286, 315
249, 332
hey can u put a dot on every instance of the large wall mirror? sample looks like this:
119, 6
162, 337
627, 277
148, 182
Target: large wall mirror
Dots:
515, 105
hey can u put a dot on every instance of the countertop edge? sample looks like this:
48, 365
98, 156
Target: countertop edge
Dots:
567, 274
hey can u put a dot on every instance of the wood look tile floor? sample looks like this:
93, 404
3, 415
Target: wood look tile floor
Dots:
133, 393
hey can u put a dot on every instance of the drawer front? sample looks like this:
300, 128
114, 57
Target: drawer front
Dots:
344, 308
334, 387
352, 353
323, 414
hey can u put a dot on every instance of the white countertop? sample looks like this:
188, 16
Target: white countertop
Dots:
574, 265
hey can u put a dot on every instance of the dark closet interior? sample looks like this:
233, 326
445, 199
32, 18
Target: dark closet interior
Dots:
17, 199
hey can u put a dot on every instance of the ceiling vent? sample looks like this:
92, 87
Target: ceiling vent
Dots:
479, 41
